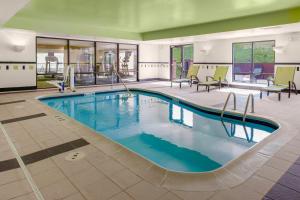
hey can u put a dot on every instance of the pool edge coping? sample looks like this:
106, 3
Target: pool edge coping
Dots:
167, 171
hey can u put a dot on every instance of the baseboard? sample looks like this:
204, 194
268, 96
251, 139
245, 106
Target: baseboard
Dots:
245, 87
251, 87
154, 79
13, 89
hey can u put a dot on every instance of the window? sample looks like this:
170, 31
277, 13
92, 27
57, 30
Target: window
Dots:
93, 61
52, 57
128, 62
253, 61
106, 61
82, 57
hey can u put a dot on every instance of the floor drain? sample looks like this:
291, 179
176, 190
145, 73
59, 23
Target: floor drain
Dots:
74, 156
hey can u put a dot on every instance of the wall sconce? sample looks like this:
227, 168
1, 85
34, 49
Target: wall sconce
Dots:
278, 49
18, 48
204, 51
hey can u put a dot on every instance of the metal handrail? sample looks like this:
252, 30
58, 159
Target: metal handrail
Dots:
250, 96
234, 102
114, 71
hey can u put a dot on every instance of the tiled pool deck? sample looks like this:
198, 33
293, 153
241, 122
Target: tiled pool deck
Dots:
44, 138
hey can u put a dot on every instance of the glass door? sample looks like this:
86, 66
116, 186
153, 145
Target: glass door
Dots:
176, 62
187, 59
181, 59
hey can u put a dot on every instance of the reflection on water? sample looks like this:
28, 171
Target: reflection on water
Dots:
170, 134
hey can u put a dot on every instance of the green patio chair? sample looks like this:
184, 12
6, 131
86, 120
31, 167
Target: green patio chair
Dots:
190, 78
218, 78
284, 80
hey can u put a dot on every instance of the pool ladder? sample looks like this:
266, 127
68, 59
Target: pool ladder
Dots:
123, 83
250, 97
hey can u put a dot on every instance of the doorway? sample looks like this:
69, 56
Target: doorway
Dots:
181, 60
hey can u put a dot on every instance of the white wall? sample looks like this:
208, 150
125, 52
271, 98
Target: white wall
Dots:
220, 51
12, 61
154, 61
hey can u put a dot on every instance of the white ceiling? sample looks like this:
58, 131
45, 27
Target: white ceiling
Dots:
8, 8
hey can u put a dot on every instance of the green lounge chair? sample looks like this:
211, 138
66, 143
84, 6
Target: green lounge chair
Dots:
218, 78
284, 79
191, 76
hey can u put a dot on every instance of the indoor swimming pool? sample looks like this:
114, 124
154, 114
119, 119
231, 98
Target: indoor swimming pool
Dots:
173, 134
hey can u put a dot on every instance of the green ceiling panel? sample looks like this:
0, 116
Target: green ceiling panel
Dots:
262, 20
151, 19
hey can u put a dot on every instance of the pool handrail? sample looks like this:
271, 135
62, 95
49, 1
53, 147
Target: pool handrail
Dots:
226, 102
250, 96
114, 71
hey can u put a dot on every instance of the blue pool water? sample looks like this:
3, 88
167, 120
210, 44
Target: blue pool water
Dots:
169, 133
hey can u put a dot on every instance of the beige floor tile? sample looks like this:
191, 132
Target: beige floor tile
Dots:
285, 154
258, 184
110, 167
292, 149
52, 142
101, 190
89, 149
71, 167
246, 166
28, 149
4, 147
270, 173
14, 189
97, 158
41, 166
6, 155
76, 196
295, 143
237, 194
192, 182
154, 174
136, 163
11, 176
121, 196
279, 164
169, 196
58, 190
125, 178
30, 196
146, 191
86, 177
193, 195
110, 148
49, 177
